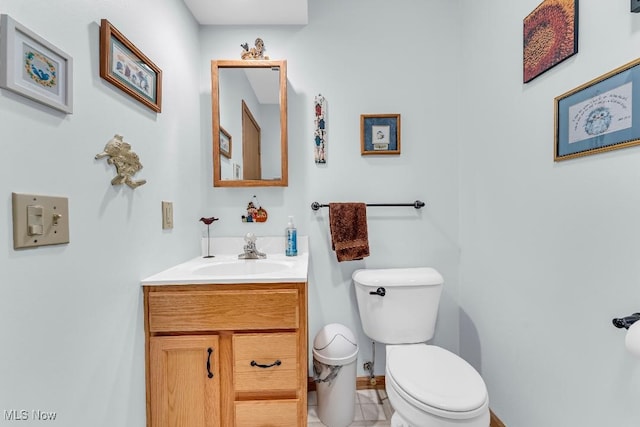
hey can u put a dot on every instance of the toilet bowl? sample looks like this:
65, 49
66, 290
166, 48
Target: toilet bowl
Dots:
427, 385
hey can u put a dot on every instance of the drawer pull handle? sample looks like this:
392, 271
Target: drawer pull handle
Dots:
276, 363
210, 374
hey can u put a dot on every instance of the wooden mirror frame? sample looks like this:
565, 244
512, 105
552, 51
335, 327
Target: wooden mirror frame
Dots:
216, 65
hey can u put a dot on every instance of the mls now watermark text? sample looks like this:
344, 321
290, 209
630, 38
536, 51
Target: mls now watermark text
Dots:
24, 415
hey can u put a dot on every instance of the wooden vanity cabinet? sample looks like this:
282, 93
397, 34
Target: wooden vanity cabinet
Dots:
224, 355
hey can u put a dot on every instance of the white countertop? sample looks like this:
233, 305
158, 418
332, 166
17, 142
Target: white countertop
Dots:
226, 268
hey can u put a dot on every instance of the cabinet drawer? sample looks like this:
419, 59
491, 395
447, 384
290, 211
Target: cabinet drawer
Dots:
219, 310
281, 413
265, 350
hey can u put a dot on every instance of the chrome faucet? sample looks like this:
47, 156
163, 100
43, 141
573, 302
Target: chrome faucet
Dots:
250, 250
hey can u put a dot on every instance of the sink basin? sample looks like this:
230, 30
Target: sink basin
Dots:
242, 268
226, 268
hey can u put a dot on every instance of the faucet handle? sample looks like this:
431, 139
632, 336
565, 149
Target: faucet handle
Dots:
250, 238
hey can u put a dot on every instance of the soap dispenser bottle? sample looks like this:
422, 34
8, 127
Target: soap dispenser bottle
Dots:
291, 239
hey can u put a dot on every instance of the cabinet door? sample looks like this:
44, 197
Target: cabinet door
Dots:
184, 380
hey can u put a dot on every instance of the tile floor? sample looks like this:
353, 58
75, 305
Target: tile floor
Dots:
372, 409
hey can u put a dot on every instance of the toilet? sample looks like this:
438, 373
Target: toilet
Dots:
427, 385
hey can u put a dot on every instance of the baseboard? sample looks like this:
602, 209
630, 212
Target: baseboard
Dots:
495, 421
362, 383
365, 383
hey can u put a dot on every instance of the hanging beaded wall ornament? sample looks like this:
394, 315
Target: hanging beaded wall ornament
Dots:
320, 133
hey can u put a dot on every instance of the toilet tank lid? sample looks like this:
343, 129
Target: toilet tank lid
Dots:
389, 277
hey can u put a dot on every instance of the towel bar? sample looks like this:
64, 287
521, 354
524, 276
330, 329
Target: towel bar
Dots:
417, 204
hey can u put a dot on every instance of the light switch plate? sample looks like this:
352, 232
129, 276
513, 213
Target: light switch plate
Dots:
39, 220
167, 215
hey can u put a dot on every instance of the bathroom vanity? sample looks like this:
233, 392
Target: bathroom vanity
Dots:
226, 342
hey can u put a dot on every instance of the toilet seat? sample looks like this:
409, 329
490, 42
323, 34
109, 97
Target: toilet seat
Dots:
436, 381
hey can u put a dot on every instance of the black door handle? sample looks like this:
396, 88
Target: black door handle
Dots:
276, 363
210, 374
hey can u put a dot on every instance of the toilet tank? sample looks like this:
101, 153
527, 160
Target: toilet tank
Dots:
407, 312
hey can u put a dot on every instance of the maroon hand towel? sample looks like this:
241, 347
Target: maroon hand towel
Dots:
348, 225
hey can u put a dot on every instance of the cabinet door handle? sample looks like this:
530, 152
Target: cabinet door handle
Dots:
276, 363
210, 374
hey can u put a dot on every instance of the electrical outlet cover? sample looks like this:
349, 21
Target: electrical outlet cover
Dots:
167, 215
51, 216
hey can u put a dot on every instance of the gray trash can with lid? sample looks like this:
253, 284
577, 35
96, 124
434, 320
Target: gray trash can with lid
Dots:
335, 351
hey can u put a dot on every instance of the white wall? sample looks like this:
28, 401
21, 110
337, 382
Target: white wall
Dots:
364, 57
71, 328
71, 316
549, 251
538, 256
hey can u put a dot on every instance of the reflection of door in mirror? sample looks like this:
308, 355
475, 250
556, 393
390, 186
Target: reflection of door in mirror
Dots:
250, 145
256, 90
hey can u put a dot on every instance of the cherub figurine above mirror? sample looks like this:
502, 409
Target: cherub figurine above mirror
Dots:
256, 52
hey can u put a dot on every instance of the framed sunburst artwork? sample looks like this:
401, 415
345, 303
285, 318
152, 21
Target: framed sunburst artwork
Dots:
550, 36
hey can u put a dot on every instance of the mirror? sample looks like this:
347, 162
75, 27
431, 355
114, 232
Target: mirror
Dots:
249, 115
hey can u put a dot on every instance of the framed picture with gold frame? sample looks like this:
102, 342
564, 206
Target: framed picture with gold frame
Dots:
225, 143
379, 134
123, 65
597, 116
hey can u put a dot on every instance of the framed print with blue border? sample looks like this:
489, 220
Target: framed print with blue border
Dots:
599, 115
380, 134
33, 67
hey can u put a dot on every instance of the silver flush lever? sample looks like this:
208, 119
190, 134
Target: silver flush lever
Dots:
380, 291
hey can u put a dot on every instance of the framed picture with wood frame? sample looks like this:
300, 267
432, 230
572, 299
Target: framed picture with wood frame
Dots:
379, 134
597, 116
123, 65
225, 143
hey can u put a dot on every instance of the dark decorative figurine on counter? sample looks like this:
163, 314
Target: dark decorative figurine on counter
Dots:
256, 52
208, 222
